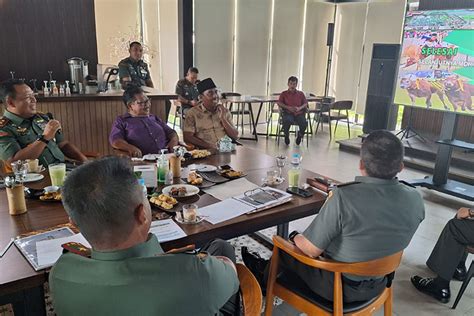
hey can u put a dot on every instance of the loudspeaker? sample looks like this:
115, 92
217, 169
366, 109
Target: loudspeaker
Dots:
330, 34
379, 112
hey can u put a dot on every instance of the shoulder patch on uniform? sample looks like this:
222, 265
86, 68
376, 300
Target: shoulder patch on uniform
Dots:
347, 184
407, 183
4, 121
77, 248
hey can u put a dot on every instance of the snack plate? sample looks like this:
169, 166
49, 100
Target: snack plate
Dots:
224, 173
171, 210
190, 190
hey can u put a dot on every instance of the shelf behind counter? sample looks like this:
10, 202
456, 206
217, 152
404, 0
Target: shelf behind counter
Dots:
86, 119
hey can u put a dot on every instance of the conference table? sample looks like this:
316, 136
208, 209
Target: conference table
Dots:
243, 100
23, 287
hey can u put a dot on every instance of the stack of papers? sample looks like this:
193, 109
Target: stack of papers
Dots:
230, 189
50, 250
166, 230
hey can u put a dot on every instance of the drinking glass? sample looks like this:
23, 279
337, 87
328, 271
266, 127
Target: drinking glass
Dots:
281, 162
57, 173
20, 169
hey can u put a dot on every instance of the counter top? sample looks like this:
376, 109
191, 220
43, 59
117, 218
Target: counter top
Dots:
109, 95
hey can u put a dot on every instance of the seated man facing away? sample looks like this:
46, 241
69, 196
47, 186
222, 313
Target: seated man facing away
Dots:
373, 217
209, 121
138, 132
28, 134
448, 258
127, 272
187, 91
293, 106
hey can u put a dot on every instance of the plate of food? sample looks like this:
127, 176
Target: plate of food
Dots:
180, 190
196, 179
231, 173
51, 196
200, 153
32, 177
163, 201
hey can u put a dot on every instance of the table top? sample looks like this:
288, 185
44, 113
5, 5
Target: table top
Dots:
262, 98
17, 273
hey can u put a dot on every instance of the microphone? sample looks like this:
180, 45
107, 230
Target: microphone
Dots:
50, 116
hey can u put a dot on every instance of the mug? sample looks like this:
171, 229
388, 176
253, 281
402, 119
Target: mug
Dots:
33, 165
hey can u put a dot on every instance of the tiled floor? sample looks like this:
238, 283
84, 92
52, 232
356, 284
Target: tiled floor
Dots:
323, 156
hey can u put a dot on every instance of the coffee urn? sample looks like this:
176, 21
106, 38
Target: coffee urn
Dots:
78, 69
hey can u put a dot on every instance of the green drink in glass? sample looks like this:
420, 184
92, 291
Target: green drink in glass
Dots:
57, 173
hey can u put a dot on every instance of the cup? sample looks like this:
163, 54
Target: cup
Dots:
16, 200
271, 177
57, 173
175, 166
190, 213
33, 165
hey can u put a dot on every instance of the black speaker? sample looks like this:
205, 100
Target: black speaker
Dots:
330, 34
379, 112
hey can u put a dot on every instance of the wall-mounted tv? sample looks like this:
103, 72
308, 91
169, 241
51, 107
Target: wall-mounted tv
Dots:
436, 69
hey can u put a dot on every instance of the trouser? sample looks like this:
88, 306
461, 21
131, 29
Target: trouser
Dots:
219, 247
450, 249
290, 119
321, 282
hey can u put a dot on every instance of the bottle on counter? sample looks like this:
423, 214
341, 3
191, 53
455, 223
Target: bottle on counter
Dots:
45, 89
295, 171
68, 90
54, 88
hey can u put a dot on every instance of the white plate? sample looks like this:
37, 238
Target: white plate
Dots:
32, 177
190, 190
205, 168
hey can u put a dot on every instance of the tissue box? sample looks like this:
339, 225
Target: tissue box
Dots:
148, 174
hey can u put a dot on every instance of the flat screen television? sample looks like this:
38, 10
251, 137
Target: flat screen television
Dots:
436, 68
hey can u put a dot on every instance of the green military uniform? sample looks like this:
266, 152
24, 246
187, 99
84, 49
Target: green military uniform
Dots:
136, 70
363, 220
187, 90
141, 280
16, 133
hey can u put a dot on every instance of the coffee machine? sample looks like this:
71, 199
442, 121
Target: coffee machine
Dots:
78, 70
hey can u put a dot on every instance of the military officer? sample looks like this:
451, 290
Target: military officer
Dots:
187, 91
373, 217
27, 134
127, 272
133, 69
209, 121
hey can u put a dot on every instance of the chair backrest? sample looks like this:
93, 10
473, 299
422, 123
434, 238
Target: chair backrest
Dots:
377, 267
230, 94
276, 93
250, 290
341, 105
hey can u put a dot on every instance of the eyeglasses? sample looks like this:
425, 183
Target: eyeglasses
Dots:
259, 196
143, 103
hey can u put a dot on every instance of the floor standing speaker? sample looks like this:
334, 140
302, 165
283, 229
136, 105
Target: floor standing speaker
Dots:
379, 111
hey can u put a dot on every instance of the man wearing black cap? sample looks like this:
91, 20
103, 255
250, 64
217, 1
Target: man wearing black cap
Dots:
209, 121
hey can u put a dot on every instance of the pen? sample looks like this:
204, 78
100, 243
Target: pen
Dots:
7, 247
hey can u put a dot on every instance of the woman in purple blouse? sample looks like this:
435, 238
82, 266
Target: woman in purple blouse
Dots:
138, 132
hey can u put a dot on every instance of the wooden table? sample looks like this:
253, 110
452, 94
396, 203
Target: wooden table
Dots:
20, 284
260, 100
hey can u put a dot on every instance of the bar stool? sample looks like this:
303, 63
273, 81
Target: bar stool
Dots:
465, 283
241, 111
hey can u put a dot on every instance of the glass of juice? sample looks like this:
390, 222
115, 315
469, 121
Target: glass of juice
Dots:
57, 173
293, 178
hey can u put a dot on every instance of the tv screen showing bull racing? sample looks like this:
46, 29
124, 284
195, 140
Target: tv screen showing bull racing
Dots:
436, 69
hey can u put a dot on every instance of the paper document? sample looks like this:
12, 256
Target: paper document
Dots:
148, 173
224, 210
229, 189
166, 230
50, 250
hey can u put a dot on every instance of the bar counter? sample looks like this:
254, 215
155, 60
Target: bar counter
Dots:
86, 119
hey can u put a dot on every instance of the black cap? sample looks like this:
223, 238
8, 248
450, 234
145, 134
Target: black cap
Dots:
205, 84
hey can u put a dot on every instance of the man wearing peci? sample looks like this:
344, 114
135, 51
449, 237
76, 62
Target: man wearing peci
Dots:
27, 134
373, 217
126, 272
209, 121
138, 132
133, 69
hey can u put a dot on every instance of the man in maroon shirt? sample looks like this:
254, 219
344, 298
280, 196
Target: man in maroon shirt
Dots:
293, 105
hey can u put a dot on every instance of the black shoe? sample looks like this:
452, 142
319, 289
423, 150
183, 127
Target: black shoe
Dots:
256, 265
428, 286
287, 140
298, 140
460, 274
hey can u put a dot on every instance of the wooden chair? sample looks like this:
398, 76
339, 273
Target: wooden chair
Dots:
178, 113
303, 299
250, 291
465, 283
328, 113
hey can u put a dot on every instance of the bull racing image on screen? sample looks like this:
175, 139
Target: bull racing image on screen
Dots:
436, 69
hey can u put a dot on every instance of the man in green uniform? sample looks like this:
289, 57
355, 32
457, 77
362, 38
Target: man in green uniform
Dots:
187, 91
133, 69
27, 134
127, 272
373, 217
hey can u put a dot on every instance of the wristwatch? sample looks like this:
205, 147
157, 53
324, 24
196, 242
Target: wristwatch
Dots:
42, 139
293, 235
471, 212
